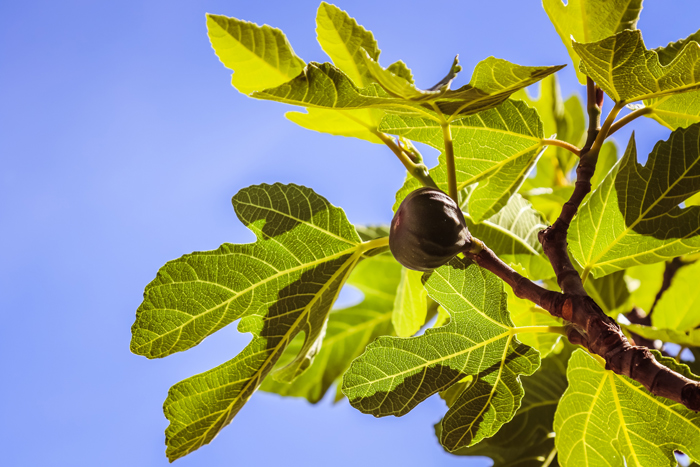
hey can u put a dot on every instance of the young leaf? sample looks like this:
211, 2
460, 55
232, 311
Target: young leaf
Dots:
399, 86
281, 285
349, 331
496, 147
607, 419
346, 43
527, 440
410, 304
326, 86
394, 375
612, 61
343, 40
590, 21
260, 56
633, 217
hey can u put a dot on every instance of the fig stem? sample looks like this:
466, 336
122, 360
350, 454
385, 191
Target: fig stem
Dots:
417, 170
450, 162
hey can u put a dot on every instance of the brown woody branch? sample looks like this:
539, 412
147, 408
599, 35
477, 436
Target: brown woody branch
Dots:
590, 326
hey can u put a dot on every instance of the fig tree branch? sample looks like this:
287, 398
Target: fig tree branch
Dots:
592, 329
590, 326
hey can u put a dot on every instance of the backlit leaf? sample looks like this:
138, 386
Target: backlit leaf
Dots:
612, 61
528, 439
410, 304
634, 217
326, 86
490, 401
346, 42
525, 313
260, 56
283, 284
678, 309
349, 330
675, 111
566, 120
512, 235
609, 292
644, 283
590, 21
496, 148
395, 374
607, 419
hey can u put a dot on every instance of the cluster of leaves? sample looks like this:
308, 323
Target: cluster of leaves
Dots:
479, 339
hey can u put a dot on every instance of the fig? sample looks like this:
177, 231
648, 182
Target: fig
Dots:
427, 230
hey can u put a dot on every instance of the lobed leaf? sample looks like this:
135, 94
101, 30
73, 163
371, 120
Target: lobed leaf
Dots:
349, 330
633, 217
326, 86
261, 56
496, 148
283, 284
590, 21
490, 401
607, 419
527, 440
623, 67
393, 375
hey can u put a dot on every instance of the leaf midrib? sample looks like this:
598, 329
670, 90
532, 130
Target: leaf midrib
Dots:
247, 289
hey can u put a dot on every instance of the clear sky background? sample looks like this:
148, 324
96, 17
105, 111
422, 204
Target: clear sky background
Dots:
122, 142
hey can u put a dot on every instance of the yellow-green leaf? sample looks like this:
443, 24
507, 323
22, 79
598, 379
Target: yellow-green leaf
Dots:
260, 56
612, 61
590, 21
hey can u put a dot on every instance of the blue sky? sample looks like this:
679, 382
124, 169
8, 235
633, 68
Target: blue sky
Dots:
122, 143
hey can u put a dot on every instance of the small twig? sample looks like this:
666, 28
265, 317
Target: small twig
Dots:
628, 118
450, 162
419, 171
562, 144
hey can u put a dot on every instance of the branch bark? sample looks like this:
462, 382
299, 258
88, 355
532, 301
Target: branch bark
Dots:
590, 326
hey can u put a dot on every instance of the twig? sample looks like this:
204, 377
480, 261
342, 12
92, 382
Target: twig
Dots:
628, 118
562, 144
